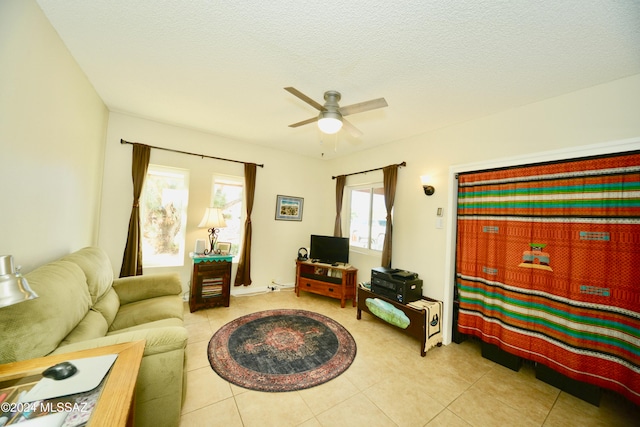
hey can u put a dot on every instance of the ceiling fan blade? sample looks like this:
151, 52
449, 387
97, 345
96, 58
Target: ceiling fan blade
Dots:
354, 131
363, 106
305, 98
304, 122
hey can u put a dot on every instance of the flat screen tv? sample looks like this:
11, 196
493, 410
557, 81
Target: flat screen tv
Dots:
329, 249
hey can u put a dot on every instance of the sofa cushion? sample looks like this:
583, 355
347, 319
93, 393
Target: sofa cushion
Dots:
97, 267
157, 340
136, 288
108, 306
156, 324
149, 310
92, 326
35, 328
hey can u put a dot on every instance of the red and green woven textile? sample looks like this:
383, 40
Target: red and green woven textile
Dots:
548, 266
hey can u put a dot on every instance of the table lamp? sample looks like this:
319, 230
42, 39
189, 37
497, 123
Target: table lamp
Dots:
213, 220
13, 287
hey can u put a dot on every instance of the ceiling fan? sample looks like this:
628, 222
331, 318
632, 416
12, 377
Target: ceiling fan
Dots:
331, 118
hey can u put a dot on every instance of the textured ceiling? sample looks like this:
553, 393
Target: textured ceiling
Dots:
221, 67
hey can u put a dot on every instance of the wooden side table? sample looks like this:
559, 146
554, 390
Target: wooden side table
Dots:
338, 282
115, 407
210, 281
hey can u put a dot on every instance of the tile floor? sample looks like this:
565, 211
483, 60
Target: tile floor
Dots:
388, 384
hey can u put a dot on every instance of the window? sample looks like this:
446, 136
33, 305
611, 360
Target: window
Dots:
227, 195
367, 223
163, 215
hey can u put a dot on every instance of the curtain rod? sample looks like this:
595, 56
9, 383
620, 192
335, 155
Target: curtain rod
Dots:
370, 170
122, 141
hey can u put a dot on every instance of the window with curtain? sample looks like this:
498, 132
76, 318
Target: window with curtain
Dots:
227, 194
367, 219
163, 216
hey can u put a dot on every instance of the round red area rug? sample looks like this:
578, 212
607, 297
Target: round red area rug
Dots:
281, 350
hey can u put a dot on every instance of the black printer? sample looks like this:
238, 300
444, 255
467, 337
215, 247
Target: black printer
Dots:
397, 285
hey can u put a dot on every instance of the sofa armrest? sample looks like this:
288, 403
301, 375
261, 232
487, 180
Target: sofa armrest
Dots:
138, 288
157, 340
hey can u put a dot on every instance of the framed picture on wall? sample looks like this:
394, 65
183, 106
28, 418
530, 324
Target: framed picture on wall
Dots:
289, 208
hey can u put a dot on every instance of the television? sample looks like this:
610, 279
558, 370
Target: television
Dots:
329, 249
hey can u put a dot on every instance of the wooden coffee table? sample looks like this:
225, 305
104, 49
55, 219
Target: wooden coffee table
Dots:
116, 402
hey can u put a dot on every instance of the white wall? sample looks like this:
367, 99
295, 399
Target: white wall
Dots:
275, 243
599, 115
52, 130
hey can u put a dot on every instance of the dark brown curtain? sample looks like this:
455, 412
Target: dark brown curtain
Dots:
132, 258
389, 179
340, 182
243, 275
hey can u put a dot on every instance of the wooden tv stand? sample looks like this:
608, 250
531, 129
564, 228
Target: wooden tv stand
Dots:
338, 282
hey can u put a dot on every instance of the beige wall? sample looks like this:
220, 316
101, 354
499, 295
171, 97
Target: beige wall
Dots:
275, 243
599, 115
52, 130
587, 122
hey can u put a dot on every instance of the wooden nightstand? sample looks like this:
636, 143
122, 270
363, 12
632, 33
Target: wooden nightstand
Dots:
210, 281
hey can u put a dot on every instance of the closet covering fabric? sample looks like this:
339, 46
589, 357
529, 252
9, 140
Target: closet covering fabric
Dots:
547, 266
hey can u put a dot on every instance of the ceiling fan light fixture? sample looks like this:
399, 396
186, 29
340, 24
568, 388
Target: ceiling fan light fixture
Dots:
330, 122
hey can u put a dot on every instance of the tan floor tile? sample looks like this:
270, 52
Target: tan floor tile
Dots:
442, 387
367, 371
532, 398
357, 411
614, 411
329, 394
220, 316
373, 391
272, 409
195, 317
200, 331
463, 360
406, 402
196, 355
236, 389
481, 410
204, 387
313, 422
447, 418
223, 414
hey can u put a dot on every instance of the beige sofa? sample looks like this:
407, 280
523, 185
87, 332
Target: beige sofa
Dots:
82, 306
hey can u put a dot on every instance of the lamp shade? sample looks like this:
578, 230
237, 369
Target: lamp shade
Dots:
330, 121
212, 218
13, 287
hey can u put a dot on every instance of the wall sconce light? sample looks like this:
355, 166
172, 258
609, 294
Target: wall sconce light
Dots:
428, 189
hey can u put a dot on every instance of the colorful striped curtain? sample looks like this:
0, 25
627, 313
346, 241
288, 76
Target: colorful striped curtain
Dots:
548, 266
